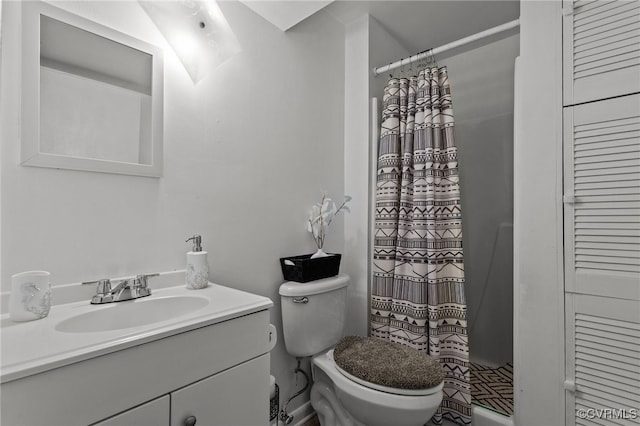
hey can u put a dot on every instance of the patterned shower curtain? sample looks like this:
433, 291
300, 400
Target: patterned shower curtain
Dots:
418, 278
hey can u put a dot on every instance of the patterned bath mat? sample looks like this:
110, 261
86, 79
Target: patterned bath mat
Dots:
492, 387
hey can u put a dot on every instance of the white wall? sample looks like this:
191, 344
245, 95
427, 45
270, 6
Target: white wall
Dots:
539, 297
2, 113
247, 152
356, 172
367, 44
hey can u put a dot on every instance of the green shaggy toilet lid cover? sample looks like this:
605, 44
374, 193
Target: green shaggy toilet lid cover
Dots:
387, 363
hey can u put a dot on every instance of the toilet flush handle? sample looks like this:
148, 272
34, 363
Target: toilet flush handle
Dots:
303, 300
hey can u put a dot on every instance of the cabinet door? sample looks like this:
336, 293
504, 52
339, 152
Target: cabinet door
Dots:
238, 396
602, 198
601, 49
603, 361
602, 261
154, 413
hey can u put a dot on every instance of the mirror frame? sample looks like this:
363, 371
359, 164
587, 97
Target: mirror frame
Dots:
30, 138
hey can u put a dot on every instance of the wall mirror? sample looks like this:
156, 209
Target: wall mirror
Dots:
91, 96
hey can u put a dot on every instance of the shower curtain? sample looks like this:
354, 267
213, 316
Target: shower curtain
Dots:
418, 276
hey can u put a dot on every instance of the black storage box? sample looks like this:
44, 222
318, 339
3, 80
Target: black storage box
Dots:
305, 269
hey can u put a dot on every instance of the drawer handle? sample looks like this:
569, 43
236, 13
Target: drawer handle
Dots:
303, 300
273, 337
190, 421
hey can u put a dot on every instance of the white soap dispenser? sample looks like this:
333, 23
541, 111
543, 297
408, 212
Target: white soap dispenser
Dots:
197, 275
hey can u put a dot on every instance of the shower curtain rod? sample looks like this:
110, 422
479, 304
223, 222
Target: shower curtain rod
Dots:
432, 52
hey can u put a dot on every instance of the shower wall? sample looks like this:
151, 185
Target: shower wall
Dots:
482, 82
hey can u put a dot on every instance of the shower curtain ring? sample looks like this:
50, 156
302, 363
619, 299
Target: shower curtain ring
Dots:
424, 59
432, 58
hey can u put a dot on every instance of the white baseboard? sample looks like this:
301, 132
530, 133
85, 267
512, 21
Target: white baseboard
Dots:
300, 415
484, 417
303, 413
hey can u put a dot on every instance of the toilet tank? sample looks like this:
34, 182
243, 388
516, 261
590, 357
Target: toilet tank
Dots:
313, 314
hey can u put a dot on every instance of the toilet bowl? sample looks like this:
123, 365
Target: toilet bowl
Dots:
341, 399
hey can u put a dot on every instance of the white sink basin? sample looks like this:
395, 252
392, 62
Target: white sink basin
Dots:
131, 313
77, 331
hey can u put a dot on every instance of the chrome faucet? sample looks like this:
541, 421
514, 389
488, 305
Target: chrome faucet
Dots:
128, 289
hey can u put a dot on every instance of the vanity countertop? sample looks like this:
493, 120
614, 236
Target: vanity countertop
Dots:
33, 347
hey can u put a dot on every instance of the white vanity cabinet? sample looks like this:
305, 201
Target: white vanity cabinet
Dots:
216, 370
233, 397
154, 413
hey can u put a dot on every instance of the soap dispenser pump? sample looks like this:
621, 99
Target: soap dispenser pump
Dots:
197, 275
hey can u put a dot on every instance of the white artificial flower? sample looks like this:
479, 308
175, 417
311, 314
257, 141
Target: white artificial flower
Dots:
321, 216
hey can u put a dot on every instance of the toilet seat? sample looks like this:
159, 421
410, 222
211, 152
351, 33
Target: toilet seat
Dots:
395, 391
350, 383
391, 366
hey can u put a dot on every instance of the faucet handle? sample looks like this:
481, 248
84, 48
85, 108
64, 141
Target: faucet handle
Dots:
104, 285
103, 291
141, 280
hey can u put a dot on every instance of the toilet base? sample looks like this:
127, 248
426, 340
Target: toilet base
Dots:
330, 411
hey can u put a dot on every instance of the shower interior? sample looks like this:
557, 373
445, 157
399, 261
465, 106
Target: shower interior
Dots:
482, 85
483, 102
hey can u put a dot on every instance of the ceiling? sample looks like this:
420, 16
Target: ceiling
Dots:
418, 25
285, 14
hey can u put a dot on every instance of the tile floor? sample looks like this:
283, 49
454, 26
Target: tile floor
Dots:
492, 387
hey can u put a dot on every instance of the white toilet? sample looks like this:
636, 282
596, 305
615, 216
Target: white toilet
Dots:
313, 318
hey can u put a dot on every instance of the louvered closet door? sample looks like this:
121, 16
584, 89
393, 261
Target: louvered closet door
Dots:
602, 261
602, 172
601, 49
604, 344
